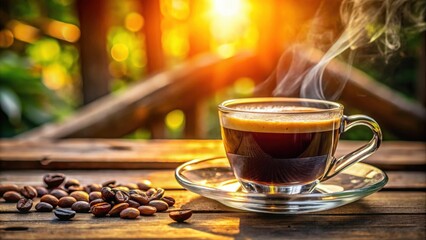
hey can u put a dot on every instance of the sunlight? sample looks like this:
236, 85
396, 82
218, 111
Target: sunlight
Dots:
227, 8
119, 52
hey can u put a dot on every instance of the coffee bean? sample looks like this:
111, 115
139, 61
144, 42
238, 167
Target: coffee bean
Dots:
71, 182
80, 196
107, 194
131, 186
94, 187
121, 197
96, 201
81, 207
150, 192
11, 196
58, 193
100, 209
52, 200
94, 195
169, 200
29, 192
76, 188
66, 202
147, 210
137, 191
133, 204
24, 205
160, 205
180, 215
64, 214
157, 195
8, 187
43, 207
144, 185
109, 183
120, 188
116, 210
141, 199
41, 191
129, 213
53, 180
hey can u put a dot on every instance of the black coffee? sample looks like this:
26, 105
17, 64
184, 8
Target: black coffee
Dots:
283, 151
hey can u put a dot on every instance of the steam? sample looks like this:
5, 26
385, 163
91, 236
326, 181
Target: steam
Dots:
376, 26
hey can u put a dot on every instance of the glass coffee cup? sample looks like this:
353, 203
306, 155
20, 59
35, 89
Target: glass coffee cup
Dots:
287, 145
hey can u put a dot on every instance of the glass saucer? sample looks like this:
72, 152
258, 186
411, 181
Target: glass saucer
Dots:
213, 178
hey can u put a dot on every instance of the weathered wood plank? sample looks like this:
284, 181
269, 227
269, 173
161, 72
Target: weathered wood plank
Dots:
216, 226
398, 202
398, 180
127, 154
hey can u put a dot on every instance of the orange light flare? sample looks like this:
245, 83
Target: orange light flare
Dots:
61, 30
23, 31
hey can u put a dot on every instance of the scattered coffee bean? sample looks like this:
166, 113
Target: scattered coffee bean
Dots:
116, 210
180, 215
41, 191
81, 207
131, 186
107, 194
96, 201
8, 187
43, 207
66, 202
95, 195
76, 188
29, 192
53, 180
137, 191
100, 209
150, 191
94, 187
71, 182
169, 200
11, 196
109, 183
144, 185
58, 193
121, 197
141, 199
160, 205
80, 196
52, 200
64, 214
157, 195
129, 213
133, 204
147, 210
120, 188
24, 205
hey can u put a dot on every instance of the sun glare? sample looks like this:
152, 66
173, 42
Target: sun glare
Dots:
227, 8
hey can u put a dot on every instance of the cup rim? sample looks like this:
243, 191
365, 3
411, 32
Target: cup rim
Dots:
224, 105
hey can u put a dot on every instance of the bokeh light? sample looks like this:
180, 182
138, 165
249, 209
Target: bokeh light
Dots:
6, 38
119, 52
175, 119
134, 22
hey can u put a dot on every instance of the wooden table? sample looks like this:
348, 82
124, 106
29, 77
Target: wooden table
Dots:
396, 212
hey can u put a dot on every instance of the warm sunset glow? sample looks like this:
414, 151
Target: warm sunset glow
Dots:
134, 22
244, 86
55, 77
23, 32
227, 8
119, 52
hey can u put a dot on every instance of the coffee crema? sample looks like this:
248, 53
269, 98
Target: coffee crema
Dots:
280, 147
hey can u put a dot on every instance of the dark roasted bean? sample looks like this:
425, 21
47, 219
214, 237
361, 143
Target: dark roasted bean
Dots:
157, 195
71, 182
76, 188
147, 210
160, 205
115, 211
64, 214
80, 196
53, 180
52, 200
58, 193
41, 191
120, 188
107, 194
11, 196
94, 187
150, 192
141, 199
144, 185
43, 207
29, 192
95, 195
129, 213
180, 215
109, 183
66, 202
8, 187
24, 205
100, 209
133, 204
121, 197
169, 200
81, 207
136, 191
96, 201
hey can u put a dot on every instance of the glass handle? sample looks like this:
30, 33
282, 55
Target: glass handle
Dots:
361, 153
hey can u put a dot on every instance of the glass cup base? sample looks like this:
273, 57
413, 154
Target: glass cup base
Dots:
287, 189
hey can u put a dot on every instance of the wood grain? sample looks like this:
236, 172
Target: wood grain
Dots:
141, 154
